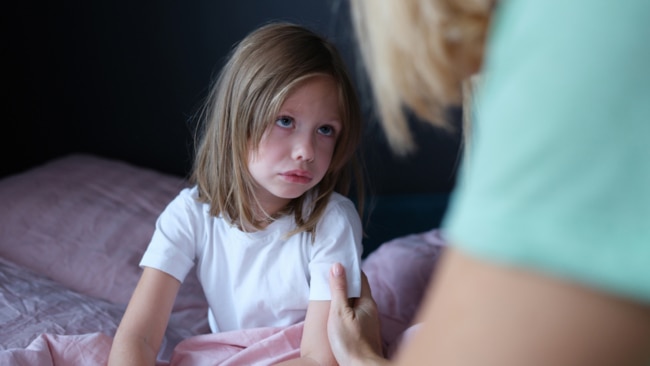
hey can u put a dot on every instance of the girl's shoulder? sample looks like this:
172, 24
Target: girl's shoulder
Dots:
340, 208
339, 202
187, 202
188, 196
337, 198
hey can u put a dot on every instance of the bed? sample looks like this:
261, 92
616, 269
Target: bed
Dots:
72, 232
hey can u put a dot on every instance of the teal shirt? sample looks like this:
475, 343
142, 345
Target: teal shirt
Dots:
558, 175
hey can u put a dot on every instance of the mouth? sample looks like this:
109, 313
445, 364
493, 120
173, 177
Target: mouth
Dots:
297, 176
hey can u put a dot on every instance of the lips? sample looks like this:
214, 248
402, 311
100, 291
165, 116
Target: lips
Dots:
297, 176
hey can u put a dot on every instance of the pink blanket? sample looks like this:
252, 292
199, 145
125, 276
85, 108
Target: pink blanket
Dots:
261, 346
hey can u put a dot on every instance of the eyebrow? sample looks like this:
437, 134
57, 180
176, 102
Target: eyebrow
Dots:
291, 113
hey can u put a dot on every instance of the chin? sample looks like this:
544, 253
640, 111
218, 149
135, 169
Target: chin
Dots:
291, 194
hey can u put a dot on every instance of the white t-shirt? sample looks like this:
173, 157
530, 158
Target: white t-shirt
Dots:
257, 279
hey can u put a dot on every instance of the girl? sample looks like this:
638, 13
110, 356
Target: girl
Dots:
267, 214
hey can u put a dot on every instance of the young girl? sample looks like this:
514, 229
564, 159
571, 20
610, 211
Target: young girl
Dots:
267, 215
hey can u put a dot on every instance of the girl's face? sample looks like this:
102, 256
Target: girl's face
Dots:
296, 150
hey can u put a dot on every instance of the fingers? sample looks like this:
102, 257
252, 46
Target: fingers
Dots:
366, 303
338, 286
365, 286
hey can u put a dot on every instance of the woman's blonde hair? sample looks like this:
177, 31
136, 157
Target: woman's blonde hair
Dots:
260, 73
417, 54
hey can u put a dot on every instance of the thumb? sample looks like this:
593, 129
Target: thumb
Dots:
338, 286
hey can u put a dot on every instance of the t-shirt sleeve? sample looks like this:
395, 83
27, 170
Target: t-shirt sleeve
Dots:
338, 239
171, 249
559, 172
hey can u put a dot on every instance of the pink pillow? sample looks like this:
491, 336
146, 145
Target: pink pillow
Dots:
399, 272
84, 221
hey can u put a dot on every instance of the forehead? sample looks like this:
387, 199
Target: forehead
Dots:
319, 92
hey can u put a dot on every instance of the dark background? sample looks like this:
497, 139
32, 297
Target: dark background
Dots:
122, 79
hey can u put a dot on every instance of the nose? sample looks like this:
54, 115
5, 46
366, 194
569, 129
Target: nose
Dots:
303, 148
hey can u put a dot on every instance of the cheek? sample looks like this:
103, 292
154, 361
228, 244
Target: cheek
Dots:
327, 151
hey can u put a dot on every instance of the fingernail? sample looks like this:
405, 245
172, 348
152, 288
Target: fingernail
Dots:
337, 269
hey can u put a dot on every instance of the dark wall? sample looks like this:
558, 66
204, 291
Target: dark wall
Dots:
122, 79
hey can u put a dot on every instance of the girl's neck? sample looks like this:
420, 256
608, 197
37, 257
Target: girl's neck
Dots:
270, 208
267, 214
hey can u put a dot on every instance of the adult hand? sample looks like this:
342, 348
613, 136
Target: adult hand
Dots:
353, 325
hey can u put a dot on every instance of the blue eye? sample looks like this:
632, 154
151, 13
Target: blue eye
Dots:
284, 122
326, 130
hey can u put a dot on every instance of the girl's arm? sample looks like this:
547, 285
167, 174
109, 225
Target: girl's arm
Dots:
143, 325
314, 346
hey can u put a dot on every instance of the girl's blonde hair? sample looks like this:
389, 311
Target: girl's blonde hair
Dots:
260, 73
417, 54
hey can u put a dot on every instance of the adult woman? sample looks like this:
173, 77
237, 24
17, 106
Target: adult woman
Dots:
550, 223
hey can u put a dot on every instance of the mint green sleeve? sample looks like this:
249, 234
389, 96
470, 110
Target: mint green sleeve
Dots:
557, 178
